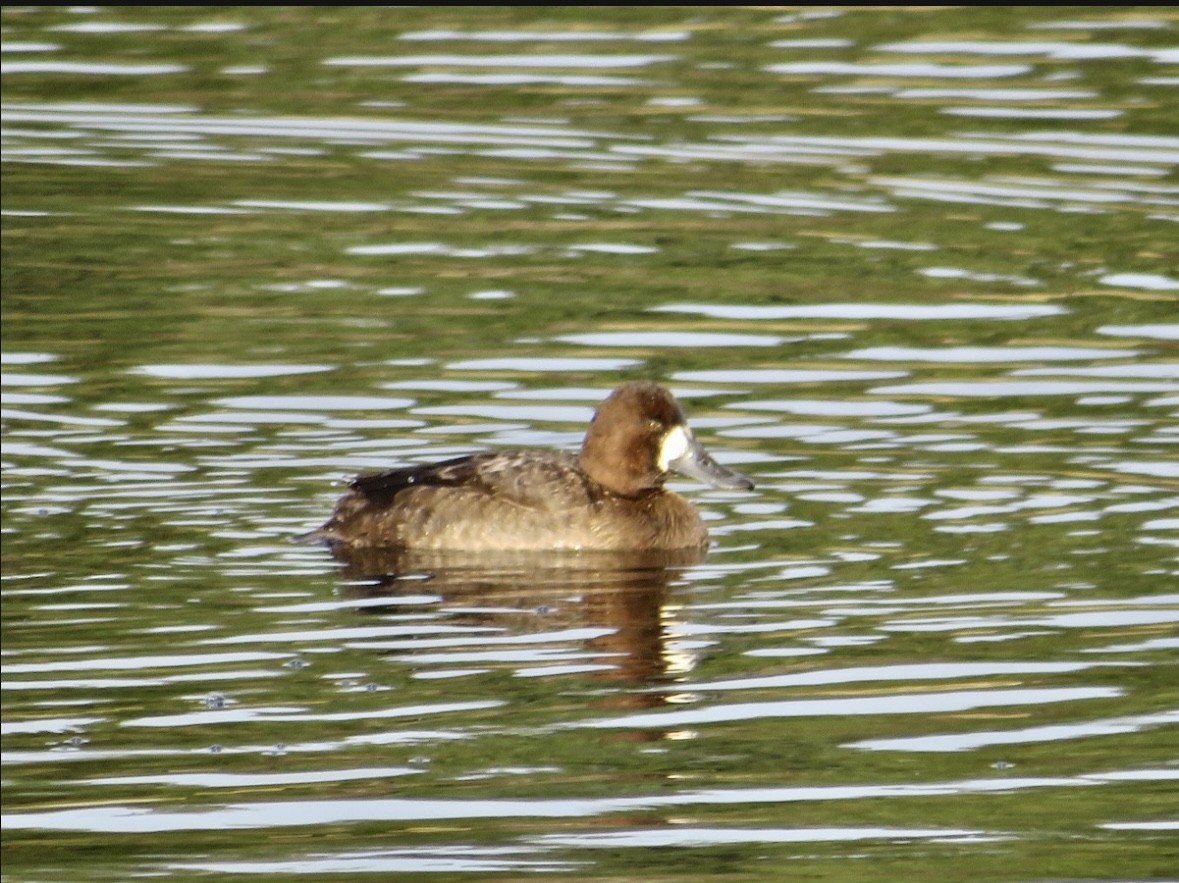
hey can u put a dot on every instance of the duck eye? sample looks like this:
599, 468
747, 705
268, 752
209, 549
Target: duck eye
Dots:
654, 425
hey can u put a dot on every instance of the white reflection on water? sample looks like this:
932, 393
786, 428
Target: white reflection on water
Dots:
438, 248
786, 375
554, 60
1027, 113
511, 79
1103, 619
1139, 369
1047, 49
51, 725
256, 780
1000, 354
177, 120
189, 210
28, 46
670, 339
292, 813
530, 413
1047, 733
1025, 193
1148, 281
90, 68
543, 364
140, 662
1157, 468
997, 388
417, 630
89, 754
996, 94
106, 27
315, 403
1165, 825
911, 672
863, 310
11, 358
578, 635
593, 395
1161, 332
94, 683
712, 201
310, 206
1112, 148
836, 408
539, 36
914, 69
703, 837
279, 714
1131, 21
613, 248
8, 378
219, 371
440, 860
921, 703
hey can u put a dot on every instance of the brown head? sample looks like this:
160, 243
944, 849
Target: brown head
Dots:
639, 436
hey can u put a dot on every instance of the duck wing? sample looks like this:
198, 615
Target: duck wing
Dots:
486, 500
534, 479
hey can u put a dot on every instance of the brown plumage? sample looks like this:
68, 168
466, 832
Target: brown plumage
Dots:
610, 496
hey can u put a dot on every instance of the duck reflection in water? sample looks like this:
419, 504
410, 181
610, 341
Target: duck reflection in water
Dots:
617, 598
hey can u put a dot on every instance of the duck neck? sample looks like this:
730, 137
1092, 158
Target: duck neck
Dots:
618, 477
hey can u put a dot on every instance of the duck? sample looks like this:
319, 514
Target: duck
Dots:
609, 496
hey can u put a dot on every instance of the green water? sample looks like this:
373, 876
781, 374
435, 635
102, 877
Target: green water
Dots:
913, 270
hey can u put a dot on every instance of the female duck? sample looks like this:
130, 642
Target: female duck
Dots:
610, 496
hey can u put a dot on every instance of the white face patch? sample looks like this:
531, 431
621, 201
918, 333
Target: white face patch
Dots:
676, 443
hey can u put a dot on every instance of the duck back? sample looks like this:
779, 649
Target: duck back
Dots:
503, 501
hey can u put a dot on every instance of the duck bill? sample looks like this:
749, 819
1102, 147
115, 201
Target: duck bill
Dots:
685, 455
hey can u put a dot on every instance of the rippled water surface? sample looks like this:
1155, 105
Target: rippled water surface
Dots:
913, 270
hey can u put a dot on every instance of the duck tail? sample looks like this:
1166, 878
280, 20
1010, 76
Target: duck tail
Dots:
319, 535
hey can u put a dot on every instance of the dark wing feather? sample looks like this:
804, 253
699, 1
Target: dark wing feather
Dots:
522, 477
380, 488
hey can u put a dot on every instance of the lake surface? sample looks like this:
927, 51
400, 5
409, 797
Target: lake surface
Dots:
912, 270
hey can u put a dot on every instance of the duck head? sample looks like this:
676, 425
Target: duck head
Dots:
639, 437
